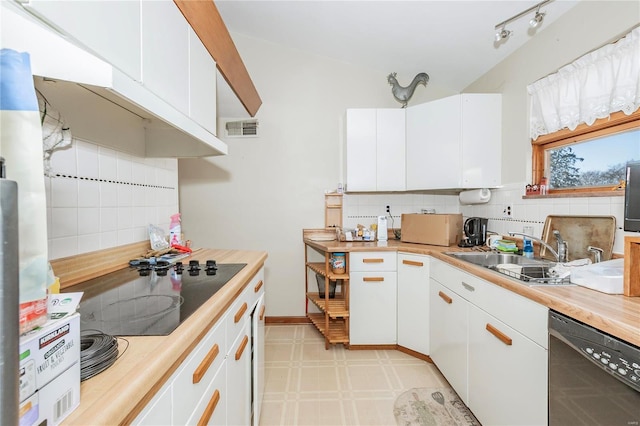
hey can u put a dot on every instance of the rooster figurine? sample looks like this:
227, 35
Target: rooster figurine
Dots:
403, 94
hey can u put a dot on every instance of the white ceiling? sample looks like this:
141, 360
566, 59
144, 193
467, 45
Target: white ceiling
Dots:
451, 40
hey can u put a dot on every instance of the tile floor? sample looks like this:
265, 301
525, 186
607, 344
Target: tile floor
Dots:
308, 385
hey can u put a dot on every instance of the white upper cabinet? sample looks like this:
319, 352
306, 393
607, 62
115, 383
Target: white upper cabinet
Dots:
165, 53
109, 29
454, 142
375, 150
202, 84
151, 83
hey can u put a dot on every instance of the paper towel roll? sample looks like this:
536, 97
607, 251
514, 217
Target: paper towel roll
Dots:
476, 196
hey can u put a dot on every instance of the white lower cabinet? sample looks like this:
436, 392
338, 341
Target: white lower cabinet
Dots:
413, 302
212, 408
373, 294
507, 373
158, 411
214, 384
257, 324
239, 378
489, 344
372, 300
448, 336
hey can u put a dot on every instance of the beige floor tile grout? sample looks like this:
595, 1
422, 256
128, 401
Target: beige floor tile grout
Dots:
334, 386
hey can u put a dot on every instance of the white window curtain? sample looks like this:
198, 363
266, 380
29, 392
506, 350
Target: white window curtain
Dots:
599, 83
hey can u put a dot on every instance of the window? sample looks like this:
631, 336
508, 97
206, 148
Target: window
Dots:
590, 158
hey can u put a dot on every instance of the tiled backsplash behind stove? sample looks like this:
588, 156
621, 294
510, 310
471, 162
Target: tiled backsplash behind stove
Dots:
364, 209
98, 198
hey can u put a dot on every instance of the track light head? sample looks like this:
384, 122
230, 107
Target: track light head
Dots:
536, 21
502, 34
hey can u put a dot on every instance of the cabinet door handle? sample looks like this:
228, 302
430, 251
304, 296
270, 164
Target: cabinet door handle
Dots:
201, 370
499, 334
446, 298
468, 287
240, 312
372, 260
211, 406
412, 262
258, 287
245, 340
367, 279
262, 312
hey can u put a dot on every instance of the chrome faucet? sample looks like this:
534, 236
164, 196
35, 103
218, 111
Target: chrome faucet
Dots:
551, 249
597, 253
562, 247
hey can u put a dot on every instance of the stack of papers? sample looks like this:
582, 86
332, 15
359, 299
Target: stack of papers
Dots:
506, 245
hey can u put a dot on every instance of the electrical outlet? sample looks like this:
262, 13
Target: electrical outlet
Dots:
388, 210
507, 211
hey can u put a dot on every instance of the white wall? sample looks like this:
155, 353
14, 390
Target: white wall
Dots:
269, 188
99, 198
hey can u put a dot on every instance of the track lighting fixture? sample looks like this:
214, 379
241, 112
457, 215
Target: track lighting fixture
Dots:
502, 33
537, 20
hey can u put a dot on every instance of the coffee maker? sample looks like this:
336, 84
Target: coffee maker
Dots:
475, 230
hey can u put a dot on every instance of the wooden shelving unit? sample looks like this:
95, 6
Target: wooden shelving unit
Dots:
333, 320
333, 210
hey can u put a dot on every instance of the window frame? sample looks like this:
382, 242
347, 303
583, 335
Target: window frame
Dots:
615, 123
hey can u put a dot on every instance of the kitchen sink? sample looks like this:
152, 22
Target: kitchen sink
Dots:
526, 270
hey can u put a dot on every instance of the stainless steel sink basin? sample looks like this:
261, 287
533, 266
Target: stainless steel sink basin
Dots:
526, 270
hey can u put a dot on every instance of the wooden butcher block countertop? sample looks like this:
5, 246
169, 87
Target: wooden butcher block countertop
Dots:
118, 394
614, 314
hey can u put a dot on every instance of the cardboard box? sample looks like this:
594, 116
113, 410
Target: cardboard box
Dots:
54, 402
434, 229
50, 371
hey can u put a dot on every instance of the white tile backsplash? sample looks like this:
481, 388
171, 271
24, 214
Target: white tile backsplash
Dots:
99, 198
363, 209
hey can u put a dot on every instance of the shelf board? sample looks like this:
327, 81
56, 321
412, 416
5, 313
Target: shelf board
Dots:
337, 328
336, 307
318, 267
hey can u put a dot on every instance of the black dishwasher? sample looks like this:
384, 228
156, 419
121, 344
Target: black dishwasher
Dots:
594, 378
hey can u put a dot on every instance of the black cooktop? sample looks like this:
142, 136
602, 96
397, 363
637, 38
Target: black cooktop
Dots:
151, 302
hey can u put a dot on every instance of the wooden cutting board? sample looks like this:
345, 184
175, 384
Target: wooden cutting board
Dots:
580, 232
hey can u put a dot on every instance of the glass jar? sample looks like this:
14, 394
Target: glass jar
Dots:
338, 263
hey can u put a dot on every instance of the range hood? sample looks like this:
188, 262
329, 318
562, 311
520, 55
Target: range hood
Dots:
100, 103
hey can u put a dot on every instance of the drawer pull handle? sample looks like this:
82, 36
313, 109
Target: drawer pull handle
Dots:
258, 286
446, 298
262, 312
468, 287
211, 406
500, 335
368, 279
372, 260
245, 340
240, 313
201, 370
412, 263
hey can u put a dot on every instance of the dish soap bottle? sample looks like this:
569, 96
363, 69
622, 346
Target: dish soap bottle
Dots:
175, 230
527, 250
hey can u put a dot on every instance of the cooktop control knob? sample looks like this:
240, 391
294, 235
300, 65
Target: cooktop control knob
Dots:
178, 268
194, 268
211, 267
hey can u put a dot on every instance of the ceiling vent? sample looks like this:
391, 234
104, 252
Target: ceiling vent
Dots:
241, 128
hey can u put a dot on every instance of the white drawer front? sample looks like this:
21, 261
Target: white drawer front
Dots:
255, 288
197, 372
372, 261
